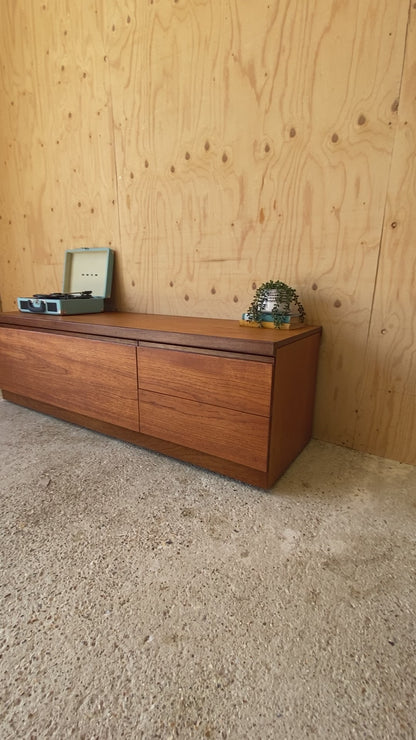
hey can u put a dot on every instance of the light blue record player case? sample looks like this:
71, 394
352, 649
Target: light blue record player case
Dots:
89, 269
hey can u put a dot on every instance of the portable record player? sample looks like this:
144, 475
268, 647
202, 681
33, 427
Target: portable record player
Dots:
88, 276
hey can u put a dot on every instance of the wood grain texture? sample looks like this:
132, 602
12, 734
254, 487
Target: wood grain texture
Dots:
89, 377
187, 454
58, 180
231, 435
216, 145
201, 404
258, 144
293, 402
237, 384
386, 418
214, 334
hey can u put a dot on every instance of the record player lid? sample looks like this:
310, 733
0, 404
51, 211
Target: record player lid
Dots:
89, 268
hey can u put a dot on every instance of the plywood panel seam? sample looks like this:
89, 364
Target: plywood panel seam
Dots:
383, 221
374, 385
114, 147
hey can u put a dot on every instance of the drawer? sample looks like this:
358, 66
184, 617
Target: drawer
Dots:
225, 433
92, 377
218, 379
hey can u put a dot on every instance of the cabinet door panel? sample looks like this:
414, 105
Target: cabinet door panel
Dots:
233, 383
91, 377
231, 435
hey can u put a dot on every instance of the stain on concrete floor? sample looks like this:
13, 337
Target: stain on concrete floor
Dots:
145, 598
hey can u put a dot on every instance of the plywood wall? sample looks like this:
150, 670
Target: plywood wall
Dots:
218, 144
386, 418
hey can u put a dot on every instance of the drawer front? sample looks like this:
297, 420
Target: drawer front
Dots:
225, 433
91, 377
224, 381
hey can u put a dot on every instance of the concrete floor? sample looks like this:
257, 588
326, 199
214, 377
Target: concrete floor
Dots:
144, 598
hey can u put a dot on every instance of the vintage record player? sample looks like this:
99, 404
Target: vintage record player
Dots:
88, 276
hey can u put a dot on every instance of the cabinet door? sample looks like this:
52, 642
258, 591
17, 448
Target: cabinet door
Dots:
216, 404
96, 378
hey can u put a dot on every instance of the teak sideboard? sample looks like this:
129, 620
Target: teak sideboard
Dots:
233, 399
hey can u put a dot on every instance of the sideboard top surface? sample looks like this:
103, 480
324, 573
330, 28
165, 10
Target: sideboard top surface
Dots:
222, 334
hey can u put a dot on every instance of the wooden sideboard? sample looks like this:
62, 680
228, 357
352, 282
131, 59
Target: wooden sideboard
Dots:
229, 398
